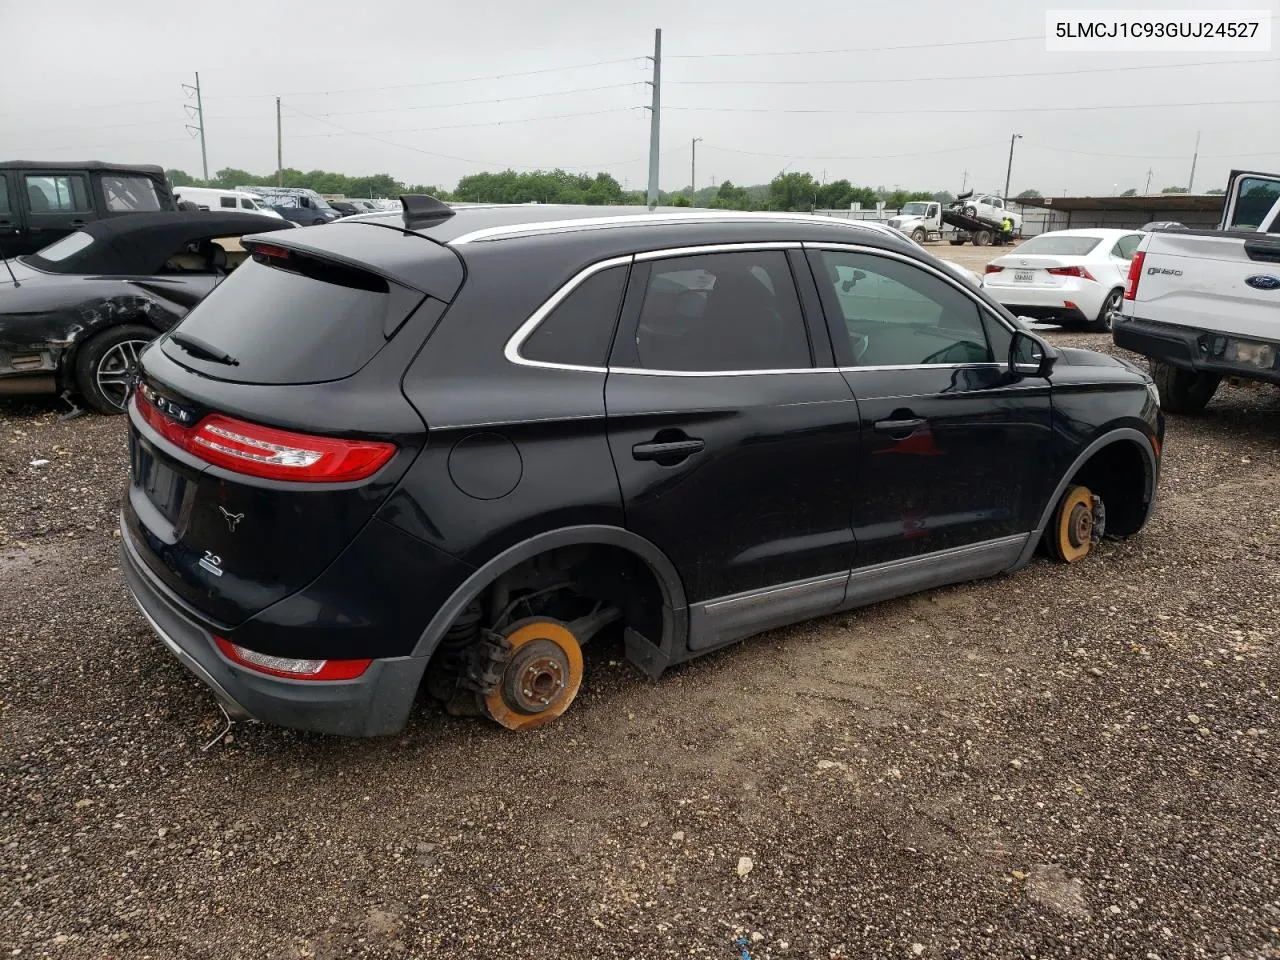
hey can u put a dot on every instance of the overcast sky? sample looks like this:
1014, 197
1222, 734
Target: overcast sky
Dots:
85, 79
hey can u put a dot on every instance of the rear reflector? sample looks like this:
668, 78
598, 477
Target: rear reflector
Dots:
1135, 274
292, 668
1070, 272
992, 268
266, 452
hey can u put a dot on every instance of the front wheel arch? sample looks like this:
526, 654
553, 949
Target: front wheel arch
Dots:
1122, 435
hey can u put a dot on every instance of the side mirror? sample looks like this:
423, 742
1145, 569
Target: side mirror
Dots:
1031, 356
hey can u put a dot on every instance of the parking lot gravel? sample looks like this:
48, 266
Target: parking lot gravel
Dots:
1066, 762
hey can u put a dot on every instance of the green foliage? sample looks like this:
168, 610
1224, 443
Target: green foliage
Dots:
1131, 192
1174, 190
1216, 192
943, 197
553, 186
1029, 195
792, 191
788, 191
321, 181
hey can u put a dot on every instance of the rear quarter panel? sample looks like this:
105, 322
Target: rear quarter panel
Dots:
1197, 279
512, 450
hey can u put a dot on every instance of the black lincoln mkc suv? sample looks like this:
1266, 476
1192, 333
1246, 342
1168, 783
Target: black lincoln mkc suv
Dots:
439, 450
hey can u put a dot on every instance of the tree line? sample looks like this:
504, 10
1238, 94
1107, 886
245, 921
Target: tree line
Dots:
794, 191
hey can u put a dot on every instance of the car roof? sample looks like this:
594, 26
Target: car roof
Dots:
94, 165
1102, 232
488, 223
139, 243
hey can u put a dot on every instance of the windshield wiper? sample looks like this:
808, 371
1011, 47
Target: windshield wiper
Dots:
206, 351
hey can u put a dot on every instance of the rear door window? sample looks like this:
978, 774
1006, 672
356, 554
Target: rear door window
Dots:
5, 210
308, 324
227, 202
720, 312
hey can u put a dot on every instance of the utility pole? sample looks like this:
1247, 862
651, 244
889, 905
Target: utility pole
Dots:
1147, 189
964, 181
279, 148
655, 119
1009, 172
693, 170
1195, 156
199, 117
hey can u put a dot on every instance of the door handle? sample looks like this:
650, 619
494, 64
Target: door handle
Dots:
900, 429
1266, 251
668, 452
77, 223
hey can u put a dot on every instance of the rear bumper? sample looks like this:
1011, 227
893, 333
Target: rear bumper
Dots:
374, 704
1190, 348
1047, 303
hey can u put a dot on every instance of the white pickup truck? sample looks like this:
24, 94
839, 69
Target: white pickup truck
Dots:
1202, 305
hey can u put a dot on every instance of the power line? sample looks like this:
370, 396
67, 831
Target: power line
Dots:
1149, 156
445, 156
320, 93
954, 110
876, 49
866, 156
980, 76
467, 126
472, 103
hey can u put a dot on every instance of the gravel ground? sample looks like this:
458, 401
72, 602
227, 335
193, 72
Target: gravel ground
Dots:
1067, 762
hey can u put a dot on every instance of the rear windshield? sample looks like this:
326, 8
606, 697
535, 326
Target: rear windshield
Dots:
280, 326
1060, 246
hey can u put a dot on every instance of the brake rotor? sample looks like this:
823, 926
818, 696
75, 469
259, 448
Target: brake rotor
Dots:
1074, 532
540, 678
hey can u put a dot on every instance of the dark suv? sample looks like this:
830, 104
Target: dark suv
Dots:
442, 449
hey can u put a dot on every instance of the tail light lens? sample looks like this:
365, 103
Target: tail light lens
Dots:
258, 451
292, 668
992, 268
1070, 272
1135, 274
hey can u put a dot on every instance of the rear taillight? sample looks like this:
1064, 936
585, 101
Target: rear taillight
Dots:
292, 668
1070, 272
1135, 274
992, 268
267, 452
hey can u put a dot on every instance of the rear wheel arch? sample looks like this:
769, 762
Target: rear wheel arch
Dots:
1105, 466
665, 581
81, 363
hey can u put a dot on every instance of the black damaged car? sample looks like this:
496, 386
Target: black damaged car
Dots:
74, 316
441, 450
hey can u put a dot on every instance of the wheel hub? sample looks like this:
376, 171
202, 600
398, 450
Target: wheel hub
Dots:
535, 677
541, 675
1080, 526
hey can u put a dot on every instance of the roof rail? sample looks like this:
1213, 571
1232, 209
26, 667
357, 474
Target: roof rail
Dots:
421, 209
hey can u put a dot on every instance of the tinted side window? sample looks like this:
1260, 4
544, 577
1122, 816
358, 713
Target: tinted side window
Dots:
722, 312
4, 195
246, 204
129, 194
1254, 202
897, 314
1126, 246
579, 331
57, 194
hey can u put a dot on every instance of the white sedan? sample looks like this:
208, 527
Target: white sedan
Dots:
1066, 277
